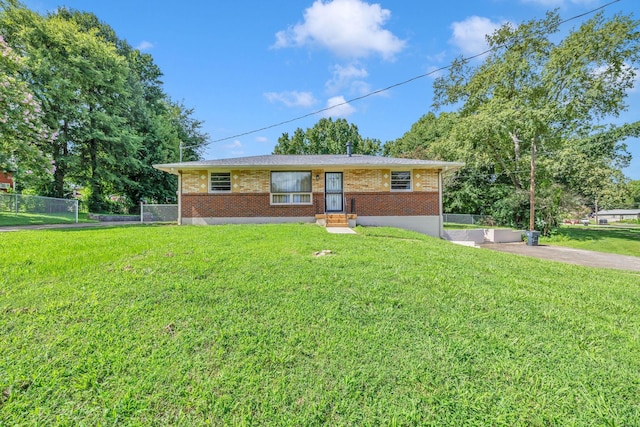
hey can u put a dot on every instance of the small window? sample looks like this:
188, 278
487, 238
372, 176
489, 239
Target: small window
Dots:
220, 182
401, 181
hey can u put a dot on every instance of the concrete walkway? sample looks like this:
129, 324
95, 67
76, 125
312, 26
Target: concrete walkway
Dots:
569, 255
340, 230
71, 225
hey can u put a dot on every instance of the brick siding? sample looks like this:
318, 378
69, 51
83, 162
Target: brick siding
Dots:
367, 192
242, 205
393, 204
195, 182
258, 205
367, 180
250, 181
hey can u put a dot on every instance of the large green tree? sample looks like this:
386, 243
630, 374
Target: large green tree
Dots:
557, 96
22, 131
327, 137
105, 101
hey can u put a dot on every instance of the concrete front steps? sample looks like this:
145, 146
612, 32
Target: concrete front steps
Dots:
479, 236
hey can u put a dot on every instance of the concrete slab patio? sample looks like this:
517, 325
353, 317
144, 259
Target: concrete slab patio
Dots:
569, 255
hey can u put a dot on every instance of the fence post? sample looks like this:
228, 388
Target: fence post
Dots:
141, 212
76, 211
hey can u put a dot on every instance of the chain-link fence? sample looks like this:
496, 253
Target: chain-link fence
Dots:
158, 213
467, 219
42, 207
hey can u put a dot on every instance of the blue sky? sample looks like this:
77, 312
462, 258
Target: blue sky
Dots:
244, 65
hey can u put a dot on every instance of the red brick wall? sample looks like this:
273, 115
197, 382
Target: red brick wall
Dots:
6, 178
394, 204
242, 205
257, 205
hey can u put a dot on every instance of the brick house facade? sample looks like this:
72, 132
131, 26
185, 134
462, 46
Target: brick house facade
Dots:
367, 190
6, 181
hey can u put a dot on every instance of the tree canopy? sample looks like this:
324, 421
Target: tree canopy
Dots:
561, 95
327, 137
97, 106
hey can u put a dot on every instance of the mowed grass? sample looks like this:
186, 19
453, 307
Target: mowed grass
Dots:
167, 325
12, 219
617, 239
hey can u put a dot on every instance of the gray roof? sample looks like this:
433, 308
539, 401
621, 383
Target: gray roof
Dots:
286, 161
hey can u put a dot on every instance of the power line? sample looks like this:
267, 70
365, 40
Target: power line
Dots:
395, 85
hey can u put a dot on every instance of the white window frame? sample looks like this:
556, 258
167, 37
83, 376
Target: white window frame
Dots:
5, 186
402, 189
290, 196
219, 173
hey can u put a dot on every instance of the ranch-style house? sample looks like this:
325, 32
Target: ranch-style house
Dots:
332, 190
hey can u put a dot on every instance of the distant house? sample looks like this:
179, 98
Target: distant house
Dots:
614, 215
6, 181
332, 190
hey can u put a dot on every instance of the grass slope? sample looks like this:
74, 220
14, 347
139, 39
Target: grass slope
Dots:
623, 240
244, 325
12, 219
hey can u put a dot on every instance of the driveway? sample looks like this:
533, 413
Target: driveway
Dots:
569, 255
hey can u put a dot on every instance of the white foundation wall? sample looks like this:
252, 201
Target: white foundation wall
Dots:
422, 224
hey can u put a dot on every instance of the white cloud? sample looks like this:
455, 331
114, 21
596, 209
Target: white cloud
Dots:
626, 71
348, 28
262, 139
340, 107
235, 148
234, 145
348, 77
144, 45
292, 98
469, 35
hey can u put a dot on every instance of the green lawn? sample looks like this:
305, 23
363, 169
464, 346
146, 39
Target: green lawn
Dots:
624, 240
11, 219
167, 325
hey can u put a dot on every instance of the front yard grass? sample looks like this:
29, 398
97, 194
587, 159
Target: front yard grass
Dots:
21, 218
244, 324
623, 240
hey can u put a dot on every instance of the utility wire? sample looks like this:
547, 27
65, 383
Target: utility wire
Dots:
395, 85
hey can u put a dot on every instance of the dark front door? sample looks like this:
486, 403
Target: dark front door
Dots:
333, 195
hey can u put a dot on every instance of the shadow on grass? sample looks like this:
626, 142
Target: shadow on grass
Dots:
10, 219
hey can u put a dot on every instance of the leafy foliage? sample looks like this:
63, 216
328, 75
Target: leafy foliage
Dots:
105, 100
327, 137
22, 131
533, 90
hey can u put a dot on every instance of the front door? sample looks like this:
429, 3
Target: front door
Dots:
333, 195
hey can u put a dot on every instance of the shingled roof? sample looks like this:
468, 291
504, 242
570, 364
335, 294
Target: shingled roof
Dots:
286, 161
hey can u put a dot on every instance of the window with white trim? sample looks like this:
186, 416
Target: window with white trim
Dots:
220, 182
291, 188
401, 180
